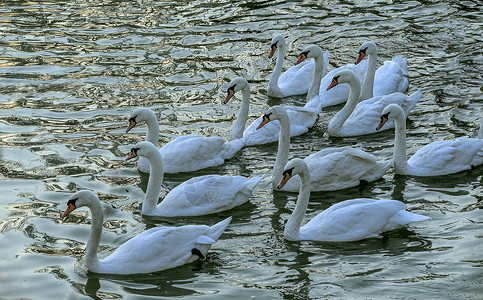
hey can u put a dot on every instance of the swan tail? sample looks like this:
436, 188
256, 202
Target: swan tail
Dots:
411, 101
216, 230
404, 217
255, 181
232, 147
402, 63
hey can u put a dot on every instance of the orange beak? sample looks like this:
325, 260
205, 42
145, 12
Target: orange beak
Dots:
272, 51
132, 123
332, 84
228, 97
264, 121
383, 121
284, 180
69, 209
360, 57
301, 59
133, 154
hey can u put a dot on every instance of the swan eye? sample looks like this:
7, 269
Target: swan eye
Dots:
72, 202
385, 116
134, 151
288, 172
304, 54
363, 50
232, 88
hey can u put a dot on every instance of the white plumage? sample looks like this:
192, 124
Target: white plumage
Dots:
359, 118
387, 79
301, 119
186, 153
318, 96
330, 169
153, 250
296, 80
349, 220
436, 158
198, 196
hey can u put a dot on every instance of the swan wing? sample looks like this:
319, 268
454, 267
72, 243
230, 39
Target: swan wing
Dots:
338, 94
339, 168
297, 79
192, 152
154, 250
447, 157
207, 194
301, 119
367, 114
390, 78
351, 220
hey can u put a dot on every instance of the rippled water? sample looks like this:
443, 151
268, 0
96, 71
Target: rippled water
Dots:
72, 71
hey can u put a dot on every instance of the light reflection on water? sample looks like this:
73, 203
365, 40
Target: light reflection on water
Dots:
71, 73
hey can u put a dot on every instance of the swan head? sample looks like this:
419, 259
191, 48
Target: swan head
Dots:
391, 111
277, 42
293, 167
145, 149
312, 51
234, 86
344, 76
273, 113
367, 48
141, 114
79, 199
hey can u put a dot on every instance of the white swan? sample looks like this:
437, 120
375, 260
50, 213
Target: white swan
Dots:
301, 119
185, 153
331, 169
318, 97
359, 118
346, 221
297, 79
153, 250
388, 79
437, 158
198, 196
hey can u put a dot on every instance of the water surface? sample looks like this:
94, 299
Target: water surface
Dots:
71, 73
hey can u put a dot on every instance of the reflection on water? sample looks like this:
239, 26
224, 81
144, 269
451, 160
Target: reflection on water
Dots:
72, 72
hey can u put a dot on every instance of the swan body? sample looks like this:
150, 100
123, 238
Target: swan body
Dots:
185, 153
387, 79
359, 118
346, 221
153, 250
318, 97
330, 169
301, 119
198, 196
436, 158
296, 80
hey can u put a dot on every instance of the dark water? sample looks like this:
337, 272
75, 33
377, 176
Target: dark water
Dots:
72, 71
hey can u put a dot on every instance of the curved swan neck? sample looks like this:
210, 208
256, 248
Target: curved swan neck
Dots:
368, 84
282, 152
95, 235
277, 71
153, 129
335, 125
400, 162
319, 73
292, 228
156, 173
241, 120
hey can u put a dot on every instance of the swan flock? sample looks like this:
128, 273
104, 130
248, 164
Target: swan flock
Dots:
373, 99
